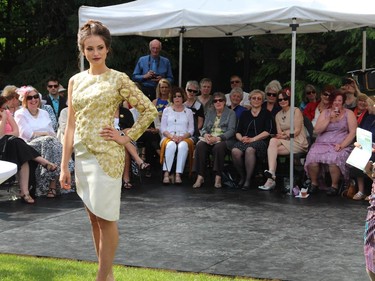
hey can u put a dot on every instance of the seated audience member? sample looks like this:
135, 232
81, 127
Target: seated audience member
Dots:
51, 113
235, 82
253, 132
310, 96
350, 88
367, 123
313, 109
124, 120
360, 111
271, 104
235, 97
219, 127
163, 96
177, 126
192, 89
53, 98
335, 129
205, 98
18, 152
150, 139
62, 124
280, 144
10, 93
36, 129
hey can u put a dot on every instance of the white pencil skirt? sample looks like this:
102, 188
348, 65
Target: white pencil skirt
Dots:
99, 192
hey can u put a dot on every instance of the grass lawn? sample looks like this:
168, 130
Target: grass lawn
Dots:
28, 268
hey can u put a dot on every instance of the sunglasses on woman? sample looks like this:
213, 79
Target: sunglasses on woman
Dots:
283, 99
36, 97
192, 91
272, 95
218, 100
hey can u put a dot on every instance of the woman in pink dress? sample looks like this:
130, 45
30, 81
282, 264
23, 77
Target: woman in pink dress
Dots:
336, 128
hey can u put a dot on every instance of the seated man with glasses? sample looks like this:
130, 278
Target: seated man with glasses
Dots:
271, 91
53, 97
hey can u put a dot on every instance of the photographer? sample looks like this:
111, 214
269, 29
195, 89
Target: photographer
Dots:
151, 68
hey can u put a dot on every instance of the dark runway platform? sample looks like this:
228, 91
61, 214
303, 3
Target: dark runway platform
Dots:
223, 231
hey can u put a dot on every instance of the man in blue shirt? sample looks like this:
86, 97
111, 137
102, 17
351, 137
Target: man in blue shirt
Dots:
151, 68
53, 98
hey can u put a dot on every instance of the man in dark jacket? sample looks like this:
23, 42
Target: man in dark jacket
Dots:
53, 98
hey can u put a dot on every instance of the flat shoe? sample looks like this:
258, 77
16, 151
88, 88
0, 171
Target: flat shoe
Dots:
359, 196
313, 189
177, 179
332, 191
166, 180
245, 187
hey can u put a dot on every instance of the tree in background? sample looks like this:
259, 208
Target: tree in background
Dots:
38, 39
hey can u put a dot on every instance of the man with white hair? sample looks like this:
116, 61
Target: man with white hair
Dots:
151, 68
235, 82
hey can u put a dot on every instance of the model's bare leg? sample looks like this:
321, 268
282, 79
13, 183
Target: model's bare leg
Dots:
105, 236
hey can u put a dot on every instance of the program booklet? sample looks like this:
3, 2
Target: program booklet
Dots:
359, 157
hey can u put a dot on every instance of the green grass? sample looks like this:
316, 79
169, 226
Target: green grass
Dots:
27, 268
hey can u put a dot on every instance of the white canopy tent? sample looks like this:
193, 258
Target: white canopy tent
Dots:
211, 18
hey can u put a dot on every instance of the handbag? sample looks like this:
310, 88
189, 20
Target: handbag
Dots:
227, 179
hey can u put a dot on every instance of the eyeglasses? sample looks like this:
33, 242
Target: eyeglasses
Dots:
310, 92
36, 97
283, 99
53, 86
235, 81
218, 100
192, 91
326, 94
272, 94
256, 98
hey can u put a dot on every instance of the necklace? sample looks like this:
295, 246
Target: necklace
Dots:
283, 115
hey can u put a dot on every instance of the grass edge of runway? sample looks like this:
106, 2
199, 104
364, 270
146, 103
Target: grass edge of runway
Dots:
30, 268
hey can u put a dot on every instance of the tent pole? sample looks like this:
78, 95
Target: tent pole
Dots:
294, 26
182, 31
364, 43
